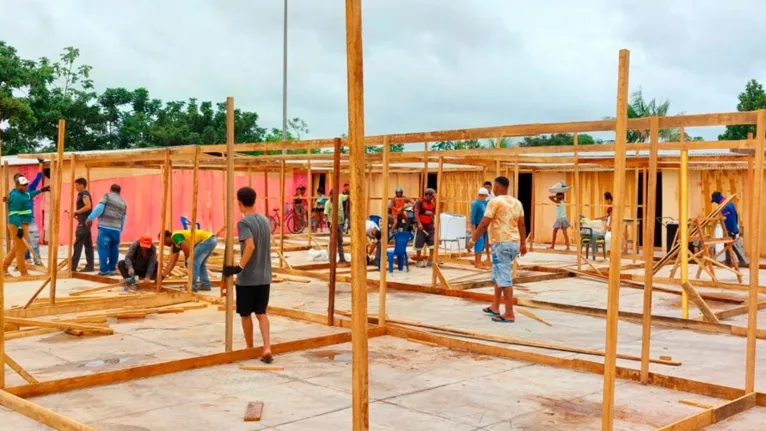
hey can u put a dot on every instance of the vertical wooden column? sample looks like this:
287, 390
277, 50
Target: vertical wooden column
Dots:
755, 252
613, 297
72, 199
7, 181
437, 224
515, 265
53, 244
193, 220
683, 225
266, 192
384, 236
250, 176
749, 189
4, 232
335, 192
224, 182
368, 209
634, 216
282, 213
229, 251
425, 170
310, 197
356, 132
163, 217
650, 205
577, 194
171, 198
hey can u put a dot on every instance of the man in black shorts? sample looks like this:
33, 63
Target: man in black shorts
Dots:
254, 270
425, 211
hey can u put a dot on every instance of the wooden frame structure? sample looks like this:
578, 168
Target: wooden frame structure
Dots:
230, 158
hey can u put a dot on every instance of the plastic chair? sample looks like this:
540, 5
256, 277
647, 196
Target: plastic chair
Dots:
589, 240
401, 239
375, 219
185, 222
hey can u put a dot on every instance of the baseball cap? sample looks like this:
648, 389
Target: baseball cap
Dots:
483, 191
145, 242
716, 197
22, 181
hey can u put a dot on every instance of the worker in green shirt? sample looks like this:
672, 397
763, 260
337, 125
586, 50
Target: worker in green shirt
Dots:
19, 218
337, 225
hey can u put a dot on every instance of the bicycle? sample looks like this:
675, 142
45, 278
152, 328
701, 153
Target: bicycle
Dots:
293, 223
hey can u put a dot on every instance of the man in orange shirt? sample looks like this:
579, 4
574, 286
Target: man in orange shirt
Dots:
504, 221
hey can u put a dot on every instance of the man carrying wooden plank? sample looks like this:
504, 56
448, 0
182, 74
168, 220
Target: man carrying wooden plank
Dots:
111, 212
731, 221
253, 271
504, 221
140, 263
204, 243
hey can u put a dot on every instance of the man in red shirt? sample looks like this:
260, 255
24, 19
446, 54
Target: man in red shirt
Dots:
425, 211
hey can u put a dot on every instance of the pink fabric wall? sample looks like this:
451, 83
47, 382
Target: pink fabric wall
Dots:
143, 194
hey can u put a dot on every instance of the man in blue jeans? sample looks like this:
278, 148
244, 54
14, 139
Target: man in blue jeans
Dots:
204, 243
478, 206
111, 212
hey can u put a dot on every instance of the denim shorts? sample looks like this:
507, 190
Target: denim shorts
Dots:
503, 254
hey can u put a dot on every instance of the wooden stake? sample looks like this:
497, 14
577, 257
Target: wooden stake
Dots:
72, 198
613, 297
383, 236
651, 189
166, 200
335, 192
229, 253
282, 213
310, 209
755, 252
193, 220
53, 249
356, 133
3, 232
437, 225
577, 201
683, 225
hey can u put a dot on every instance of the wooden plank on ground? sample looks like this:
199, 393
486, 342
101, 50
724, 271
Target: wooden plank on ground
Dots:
695, 297
261, 367
145, 301
60, 325
713, 415
254, 411
40, 413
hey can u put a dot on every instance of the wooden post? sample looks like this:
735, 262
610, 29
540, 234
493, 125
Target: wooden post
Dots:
755, 252
577, 194
425, 170
335, 192
163, 217
369, 190
356, 133
515, 265
634, 216
683, 225
193, 220
266, 193
53, 249
7, 180
310, 197
383, 236
650, 205
437, 224
229, 251
72, 199
282, 213
613, 296
171, 198
250, 176
4, 232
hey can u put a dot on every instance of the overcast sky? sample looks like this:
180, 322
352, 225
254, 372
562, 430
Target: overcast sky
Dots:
429, 64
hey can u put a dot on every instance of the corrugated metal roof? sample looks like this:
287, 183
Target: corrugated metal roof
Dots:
15, 161
643, 153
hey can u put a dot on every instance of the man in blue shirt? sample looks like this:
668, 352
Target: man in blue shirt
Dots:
731, 221
478, 206
34, 233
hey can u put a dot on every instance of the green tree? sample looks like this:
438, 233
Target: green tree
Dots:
558, 139
753, 98
638, 107
466, 144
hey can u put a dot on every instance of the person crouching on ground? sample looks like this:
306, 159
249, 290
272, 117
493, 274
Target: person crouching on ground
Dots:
19, 218
204, 243
425, 211
504, 221
253, 271
478, 206
140, 263
561, 223
373, 233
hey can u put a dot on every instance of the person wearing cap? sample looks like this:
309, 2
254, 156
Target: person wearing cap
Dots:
478, 206
34, 233
140, 262
488, 186
204, 244
396, 207
19, 219
425, 211
731, 222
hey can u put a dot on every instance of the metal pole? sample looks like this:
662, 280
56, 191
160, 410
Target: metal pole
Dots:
284, 78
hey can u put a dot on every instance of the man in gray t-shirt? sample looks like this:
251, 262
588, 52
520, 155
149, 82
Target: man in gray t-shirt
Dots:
253, 271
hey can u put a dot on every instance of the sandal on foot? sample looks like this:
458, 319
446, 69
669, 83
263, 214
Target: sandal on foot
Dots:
489, 311
501, 319
267, 359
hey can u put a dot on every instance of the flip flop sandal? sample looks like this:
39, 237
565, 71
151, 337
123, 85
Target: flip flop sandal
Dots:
501, 319
489, 311
267, 359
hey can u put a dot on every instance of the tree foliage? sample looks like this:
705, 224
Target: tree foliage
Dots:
35, 94
753, 98
558, 139
641, 108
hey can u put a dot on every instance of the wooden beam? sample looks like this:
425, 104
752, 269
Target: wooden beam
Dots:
334, 232
437, 226
613, 296
650, 204
683, 220
40, 413
229, 250
193, 219
53, 248
19, 370
59, 325
577, 201
384, 236
755, 251
156, 300
713, 415
356, 142
695, 297
3, 233
71, 218
167, 200
282, 214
